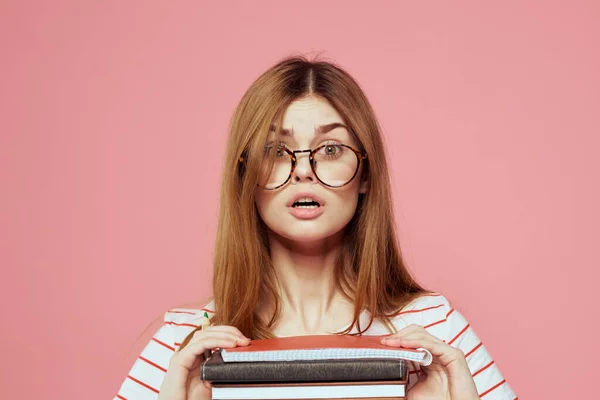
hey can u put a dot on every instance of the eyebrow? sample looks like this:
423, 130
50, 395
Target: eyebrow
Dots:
320, 129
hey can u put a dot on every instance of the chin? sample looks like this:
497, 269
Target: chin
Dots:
308, 231
289, 228
304, 237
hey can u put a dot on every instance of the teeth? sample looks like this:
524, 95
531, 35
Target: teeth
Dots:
306, 202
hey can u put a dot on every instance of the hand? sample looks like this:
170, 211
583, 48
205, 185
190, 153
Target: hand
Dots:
447, 377
182, 381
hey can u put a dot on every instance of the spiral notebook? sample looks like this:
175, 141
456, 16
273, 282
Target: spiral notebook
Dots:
321, 347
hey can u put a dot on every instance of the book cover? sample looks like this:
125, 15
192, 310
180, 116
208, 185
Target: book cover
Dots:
332, 390
214, 369
321, 347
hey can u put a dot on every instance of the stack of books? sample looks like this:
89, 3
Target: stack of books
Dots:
311, 367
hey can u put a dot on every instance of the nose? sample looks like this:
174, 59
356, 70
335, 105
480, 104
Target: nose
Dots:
303, 171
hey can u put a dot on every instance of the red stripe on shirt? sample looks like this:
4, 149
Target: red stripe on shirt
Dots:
163, 344
120, 397
153, 364
142, 383
450, 312
459, 333
176, 324
435, 323
473, 350
419, 310
492, 388
483, 369
182, 312
208, 310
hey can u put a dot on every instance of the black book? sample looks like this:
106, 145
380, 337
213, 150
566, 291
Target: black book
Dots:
214, 369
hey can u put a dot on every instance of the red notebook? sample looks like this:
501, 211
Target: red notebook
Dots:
321, 347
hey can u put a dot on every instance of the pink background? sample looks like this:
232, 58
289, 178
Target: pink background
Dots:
113, 117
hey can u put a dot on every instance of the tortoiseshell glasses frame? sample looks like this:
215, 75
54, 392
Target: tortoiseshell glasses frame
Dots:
360, 156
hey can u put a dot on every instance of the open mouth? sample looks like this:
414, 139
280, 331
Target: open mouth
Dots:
306, 204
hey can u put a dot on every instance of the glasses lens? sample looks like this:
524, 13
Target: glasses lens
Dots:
275, 167
335, 165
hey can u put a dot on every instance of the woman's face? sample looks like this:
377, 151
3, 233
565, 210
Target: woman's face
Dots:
280, 208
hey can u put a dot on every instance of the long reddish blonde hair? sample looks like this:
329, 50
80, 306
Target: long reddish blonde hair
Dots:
370, 270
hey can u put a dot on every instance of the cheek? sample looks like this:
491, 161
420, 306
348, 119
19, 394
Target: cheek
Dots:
264, 203
346, 207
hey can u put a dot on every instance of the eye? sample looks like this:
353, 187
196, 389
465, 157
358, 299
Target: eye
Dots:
331, 150
280, 151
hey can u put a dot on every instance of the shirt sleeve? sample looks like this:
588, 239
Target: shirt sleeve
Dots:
490, 383
148, 372
435, 313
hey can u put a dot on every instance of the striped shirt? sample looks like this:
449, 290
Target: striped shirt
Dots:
432, 311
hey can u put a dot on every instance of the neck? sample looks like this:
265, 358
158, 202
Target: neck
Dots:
308, 289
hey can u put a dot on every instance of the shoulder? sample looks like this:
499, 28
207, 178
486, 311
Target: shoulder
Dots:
182, 321
426, 300
427, 310
435, 313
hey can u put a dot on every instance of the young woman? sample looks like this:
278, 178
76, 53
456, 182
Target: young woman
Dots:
306, 244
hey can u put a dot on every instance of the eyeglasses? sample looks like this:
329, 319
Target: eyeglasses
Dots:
334, 165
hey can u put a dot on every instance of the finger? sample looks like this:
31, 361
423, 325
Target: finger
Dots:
222, 337
186, 357
201, 335
224, 328
442, 353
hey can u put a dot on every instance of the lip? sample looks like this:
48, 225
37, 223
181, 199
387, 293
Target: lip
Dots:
305, 213
299, 196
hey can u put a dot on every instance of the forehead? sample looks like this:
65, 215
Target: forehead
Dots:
303, 115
